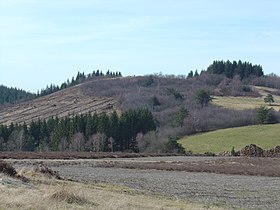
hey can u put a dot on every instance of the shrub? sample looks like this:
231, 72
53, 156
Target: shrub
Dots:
232, 152
7, 169
203, 98
47, 171
148, 82
175, 93
154, 101
269, 99
209, 154
68, 196
172, 146
265, 115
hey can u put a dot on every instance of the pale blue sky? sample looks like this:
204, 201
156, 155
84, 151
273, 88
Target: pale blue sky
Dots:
48, 41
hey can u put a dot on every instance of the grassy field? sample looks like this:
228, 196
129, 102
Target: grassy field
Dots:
240, 103
265, 136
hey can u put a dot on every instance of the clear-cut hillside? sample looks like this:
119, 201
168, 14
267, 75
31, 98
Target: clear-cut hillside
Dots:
62, 103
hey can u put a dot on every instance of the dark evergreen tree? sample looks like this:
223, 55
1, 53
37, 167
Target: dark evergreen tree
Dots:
196, 74
190, 74
154, 102
180, 117
203, 98
12, 95
114, 130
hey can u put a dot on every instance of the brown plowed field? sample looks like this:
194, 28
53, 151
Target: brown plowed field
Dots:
62, 103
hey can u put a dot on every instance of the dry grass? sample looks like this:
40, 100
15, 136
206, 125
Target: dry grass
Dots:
49, 193
68, 196
241, 103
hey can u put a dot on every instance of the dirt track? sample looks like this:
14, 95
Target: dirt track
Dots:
229, 191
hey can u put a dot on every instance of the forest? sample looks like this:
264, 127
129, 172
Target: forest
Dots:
90, 132
231, 69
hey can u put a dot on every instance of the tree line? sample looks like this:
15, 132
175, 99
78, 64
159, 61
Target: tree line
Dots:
80, 78
12, 95
88, 132
230, 69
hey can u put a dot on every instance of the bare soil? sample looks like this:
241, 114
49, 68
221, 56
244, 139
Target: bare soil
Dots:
256, 187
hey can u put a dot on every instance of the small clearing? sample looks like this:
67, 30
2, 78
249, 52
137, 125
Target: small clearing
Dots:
241, 103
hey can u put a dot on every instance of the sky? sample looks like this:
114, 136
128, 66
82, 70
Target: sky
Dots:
49, 41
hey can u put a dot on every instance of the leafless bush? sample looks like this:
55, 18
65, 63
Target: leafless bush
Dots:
97, 142
7, 169
78, 142
272, 81
235, 87
151, 142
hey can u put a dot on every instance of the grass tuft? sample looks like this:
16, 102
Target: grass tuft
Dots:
66, 195
43, 169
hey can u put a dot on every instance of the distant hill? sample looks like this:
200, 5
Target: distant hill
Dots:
157, 92
171, 99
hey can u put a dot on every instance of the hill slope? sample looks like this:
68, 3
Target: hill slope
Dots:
242, 103
61, 103
265, 136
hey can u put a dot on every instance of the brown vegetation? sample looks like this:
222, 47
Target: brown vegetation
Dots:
68, 196
7, 169
41, 168
253, 150
237, 166
62, 103
47, 193
75, 155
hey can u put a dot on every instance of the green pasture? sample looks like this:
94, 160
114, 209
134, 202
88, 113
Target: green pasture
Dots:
265, 136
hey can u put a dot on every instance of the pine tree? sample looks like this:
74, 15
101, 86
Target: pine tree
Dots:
269, 99
190, 74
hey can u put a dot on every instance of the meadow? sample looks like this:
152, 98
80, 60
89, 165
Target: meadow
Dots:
265, 136
243, 103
